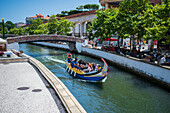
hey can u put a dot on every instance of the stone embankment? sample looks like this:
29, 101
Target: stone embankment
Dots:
67, 99
70, 102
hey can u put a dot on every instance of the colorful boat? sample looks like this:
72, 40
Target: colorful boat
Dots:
95, 76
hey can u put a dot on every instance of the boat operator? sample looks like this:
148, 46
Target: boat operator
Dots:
69, 56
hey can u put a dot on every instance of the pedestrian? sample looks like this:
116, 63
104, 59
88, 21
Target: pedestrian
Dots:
163, 60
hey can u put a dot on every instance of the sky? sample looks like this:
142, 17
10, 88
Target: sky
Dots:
18, 10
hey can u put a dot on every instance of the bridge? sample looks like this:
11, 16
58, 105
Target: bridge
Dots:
73, 43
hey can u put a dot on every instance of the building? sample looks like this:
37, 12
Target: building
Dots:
110, 3
154, 2
19, 24
34, 17
81, 21
115, 3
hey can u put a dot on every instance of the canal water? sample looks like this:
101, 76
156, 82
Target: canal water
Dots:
121, 92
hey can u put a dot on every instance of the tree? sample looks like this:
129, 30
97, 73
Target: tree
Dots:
90, 7
20, 31
34, 25
42, 29
103, 24
60, 15
16, 31
52, 24
71, 12
80, 8
64, 13
26, 30
9, 25
157, 22
129, 18
1, 26
5, 31
13, 31
63, 26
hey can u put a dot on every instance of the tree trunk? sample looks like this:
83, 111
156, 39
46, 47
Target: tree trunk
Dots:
130, 44
133, 42
118, 42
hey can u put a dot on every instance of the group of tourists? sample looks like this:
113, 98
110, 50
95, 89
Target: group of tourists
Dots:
82, 65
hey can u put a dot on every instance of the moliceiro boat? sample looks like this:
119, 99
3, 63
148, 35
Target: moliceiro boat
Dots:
96, 75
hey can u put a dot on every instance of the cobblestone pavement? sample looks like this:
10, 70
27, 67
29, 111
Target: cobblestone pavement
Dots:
24, 90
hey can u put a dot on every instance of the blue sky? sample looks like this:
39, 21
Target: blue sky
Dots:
18, 10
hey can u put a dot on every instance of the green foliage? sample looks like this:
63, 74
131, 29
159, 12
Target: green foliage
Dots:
16, 31
134, 18
1, 26
79, 9
91, 7
20, 31
60, 15
26, 30
129, 17
64, 12
42, 29
104, 25
157, 22
34, 25
9, 25
13, 31
71, 12
63, 26
52, 24
5, 31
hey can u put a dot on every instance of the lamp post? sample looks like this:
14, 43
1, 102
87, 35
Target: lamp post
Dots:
3, 28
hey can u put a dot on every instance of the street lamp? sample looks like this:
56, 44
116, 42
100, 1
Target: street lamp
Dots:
3, 28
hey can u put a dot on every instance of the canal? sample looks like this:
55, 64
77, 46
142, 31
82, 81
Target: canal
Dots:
121, 92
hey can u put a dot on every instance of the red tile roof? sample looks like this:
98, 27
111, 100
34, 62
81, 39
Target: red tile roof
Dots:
38, 15
81, 14
47, 17
33, 17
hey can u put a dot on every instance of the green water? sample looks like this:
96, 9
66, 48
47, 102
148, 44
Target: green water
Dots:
122, 92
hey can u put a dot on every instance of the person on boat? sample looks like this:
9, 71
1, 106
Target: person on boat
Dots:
98, 67
75, 64
87, 67
69, 56
72, 64
93, 66
81, 62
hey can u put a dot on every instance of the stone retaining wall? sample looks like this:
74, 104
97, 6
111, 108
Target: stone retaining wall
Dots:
70, 102
153, 71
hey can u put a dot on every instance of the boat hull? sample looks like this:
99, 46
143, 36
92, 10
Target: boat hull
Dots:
91, 76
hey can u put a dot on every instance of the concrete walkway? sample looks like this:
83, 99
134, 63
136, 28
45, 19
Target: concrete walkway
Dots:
24, 90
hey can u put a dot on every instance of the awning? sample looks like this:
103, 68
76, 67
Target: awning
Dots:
111, 39
2, 41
